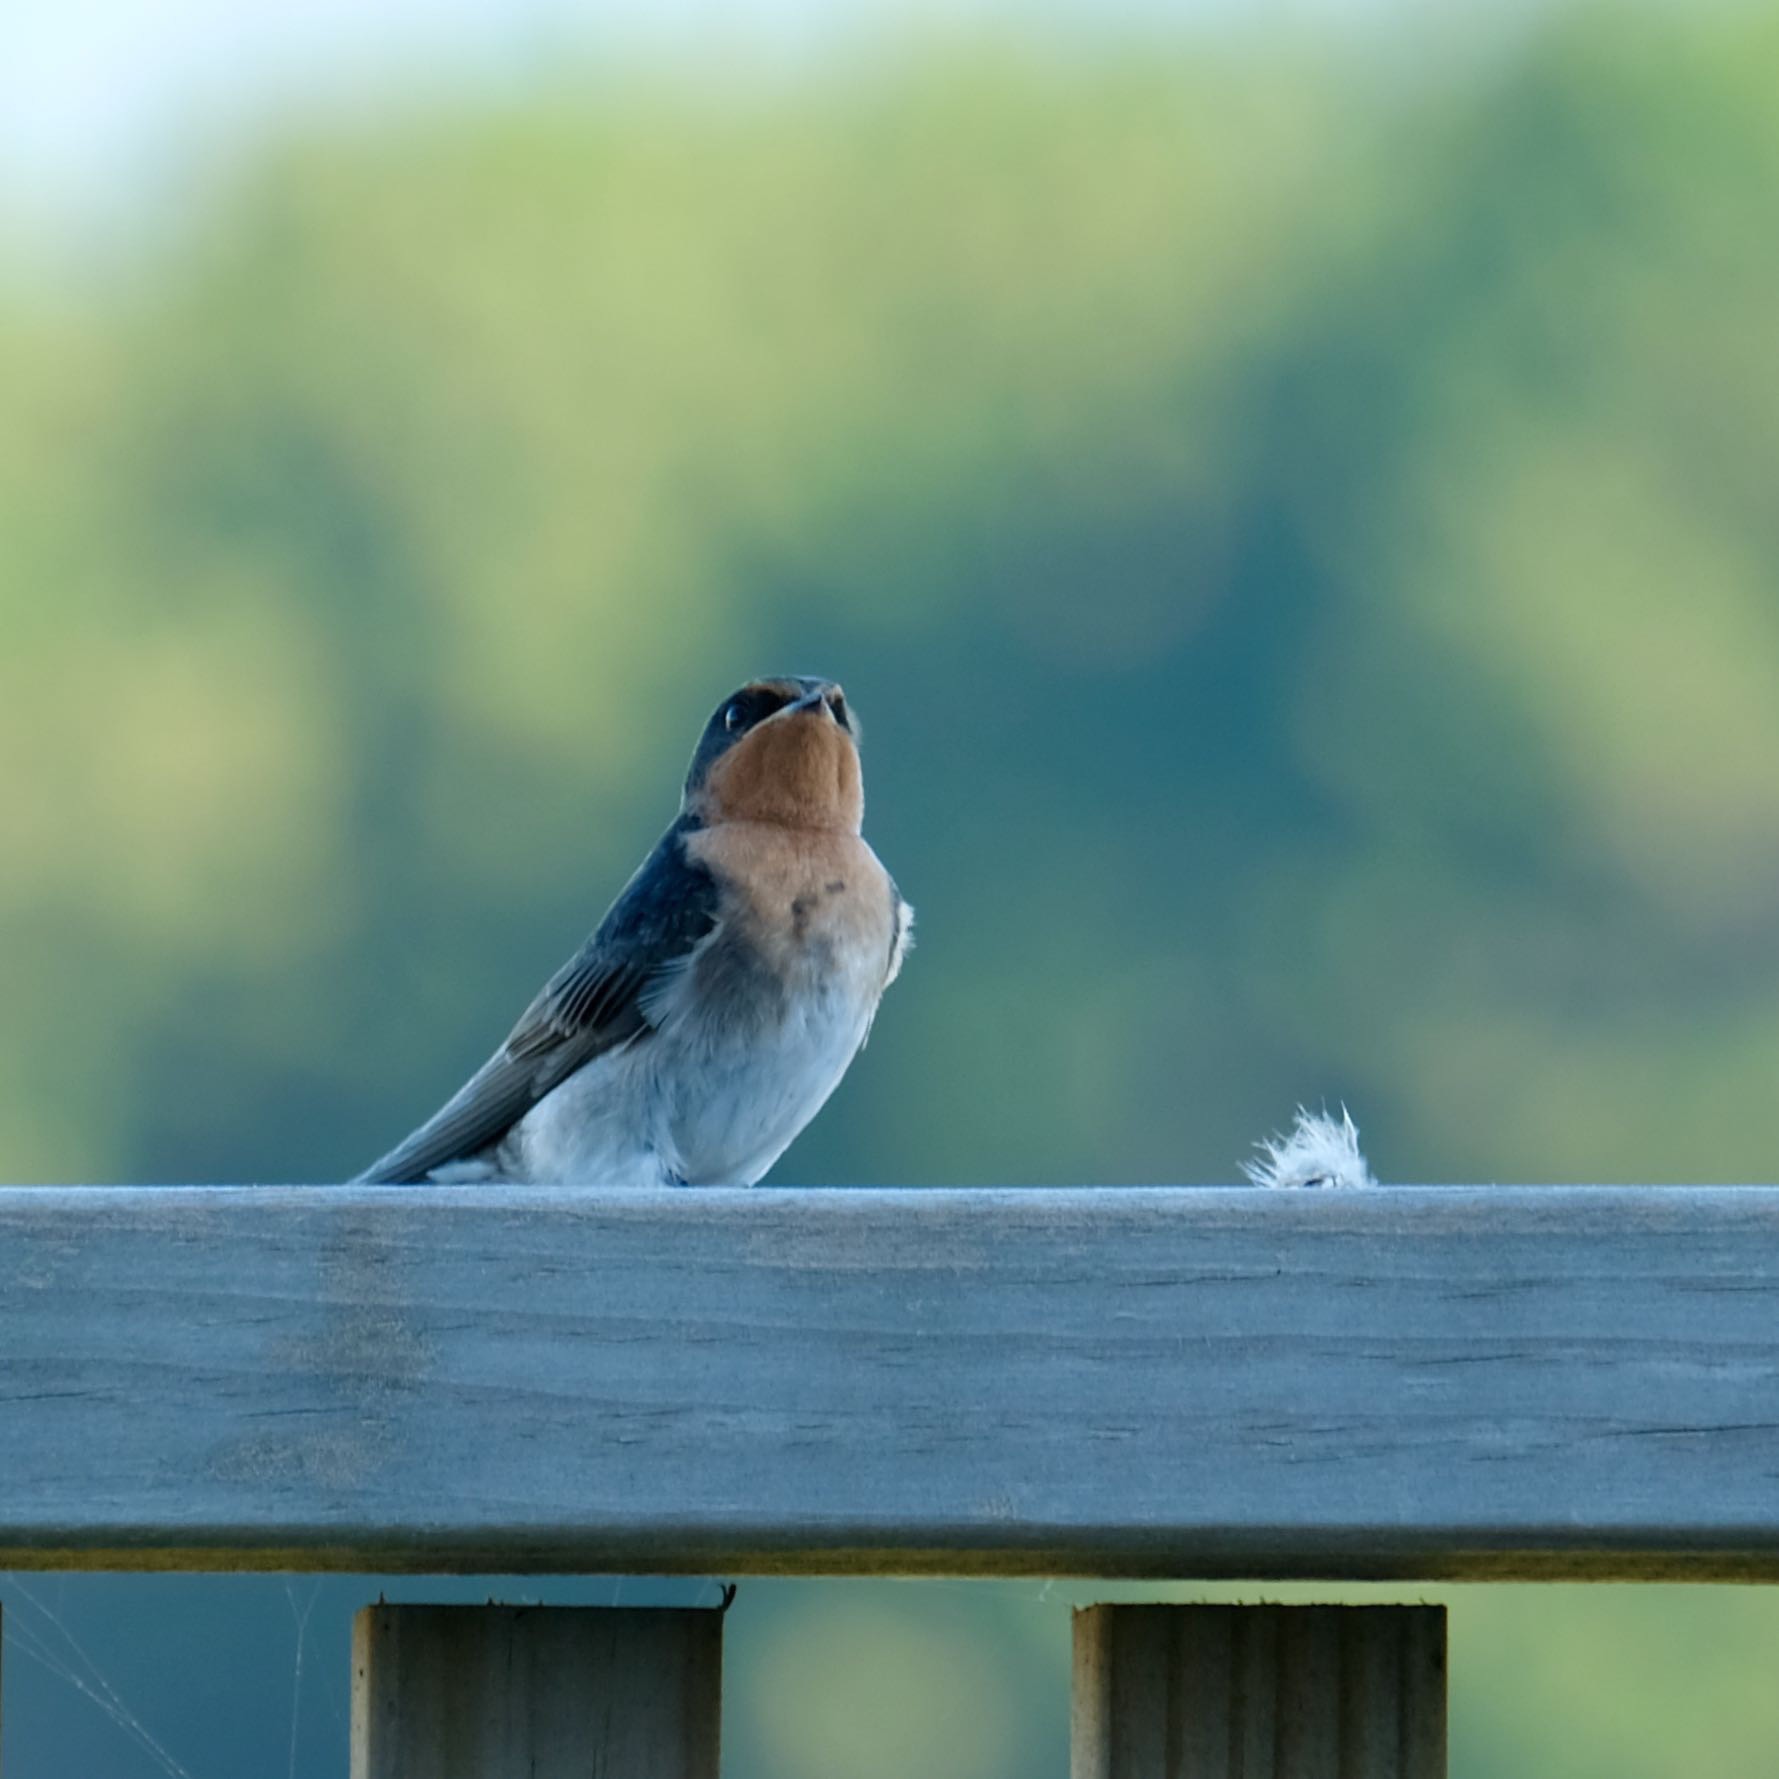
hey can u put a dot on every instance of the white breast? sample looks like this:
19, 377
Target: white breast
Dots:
697, 1103
745, 1051
735, 1104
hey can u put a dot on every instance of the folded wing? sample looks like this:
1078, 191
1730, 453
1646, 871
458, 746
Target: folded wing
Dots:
598, 1001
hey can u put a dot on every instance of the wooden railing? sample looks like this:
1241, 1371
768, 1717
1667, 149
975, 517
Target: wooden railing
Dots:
1399, 1384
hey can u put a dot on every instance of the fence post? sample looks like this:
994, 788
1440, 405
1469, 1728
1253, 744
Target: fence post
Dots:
1259, 1692
505, 1692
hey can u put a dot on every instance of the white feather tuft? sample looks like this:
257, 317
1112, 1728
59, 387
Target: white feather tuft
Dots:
1317, 1151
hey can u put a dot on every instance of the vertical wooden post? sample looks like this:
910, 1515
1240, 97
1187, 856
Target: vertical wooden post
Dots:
506, 1692
1259, 1692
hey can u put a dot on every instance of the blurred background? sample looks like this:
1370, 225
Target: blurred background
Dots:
1290, 488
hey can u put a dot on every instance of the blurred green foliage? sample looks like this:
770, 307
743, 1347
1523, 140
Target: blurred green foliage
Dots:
1302, 539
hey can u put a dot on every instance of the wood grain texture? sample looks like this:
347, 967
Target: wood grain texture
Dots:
557, 1692
1399, 1383
1259, 1692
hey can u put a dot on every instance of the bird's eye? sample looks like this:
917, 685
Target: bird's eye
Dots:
735, 717
837, 704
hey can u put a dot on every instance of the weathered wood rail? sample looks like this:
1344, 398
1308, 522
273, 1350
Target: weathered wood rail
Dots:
1406, 1383
1400, 1383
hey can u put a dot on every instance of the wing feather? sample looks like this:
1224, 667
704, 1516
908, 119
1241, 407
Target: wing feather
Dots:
598, 1001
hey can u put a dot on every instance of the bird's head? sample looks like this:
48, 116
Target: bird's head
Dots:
783, 751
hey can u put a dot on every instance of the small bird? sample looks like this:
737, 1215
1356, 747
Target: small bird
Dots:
725, 992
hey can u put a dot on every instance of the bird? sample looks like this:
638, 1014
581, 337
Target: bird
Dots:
724, 994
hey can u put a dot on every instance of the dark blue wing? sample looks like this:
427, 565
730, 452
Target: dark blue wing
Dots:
594, 1003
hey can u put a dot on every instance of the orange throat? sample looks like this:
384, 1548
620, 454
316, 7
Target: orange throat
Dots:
798, 770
